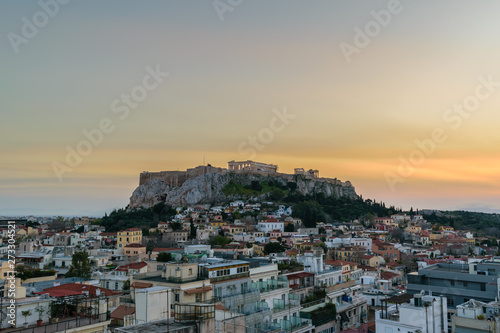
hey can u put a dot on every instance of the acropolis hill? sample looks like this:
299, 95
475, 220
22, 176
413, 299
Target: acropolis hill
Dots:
209, 184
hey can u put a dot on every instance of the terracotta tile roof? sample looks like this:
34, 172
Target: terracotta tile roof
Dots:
165, 249
199, 290
122, 311
388, 275
393, 264
141, 285
137, 265
72, 288
367, 268
332, 262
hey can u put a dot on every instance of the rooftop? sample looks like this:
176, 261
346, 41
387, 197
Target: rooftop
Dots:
159, 326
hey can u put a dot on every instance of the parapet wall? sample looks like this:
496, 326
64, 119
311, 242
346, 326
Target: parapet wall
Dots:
177, 178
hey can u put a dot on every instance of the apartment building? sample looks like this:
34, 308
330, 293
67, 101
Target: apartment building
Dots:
128, 236
458, 282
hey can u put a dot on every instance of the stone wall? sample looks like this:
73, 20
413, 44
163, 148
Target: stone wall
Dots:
177, 178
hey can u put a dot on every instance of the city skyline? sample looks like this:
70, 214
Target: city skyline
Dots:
355, 90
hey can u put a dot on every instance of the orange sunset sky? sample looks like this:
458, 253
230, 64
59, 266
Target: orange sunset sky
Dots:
354, 117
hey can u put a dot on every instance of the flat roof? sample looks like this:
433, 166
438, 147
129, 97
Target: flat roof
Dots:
224, 264
158, 326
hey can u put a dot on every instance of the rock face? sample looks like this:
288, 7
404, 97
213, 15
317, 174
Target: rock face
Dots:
211, 188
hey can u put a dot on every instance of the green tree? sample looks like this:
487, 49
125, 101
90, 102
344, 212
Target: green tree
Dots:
273, 247
309, 212
126, 285
80, 265
175, 226
192, 232
164, 257
289, 227
256, 186
220, 241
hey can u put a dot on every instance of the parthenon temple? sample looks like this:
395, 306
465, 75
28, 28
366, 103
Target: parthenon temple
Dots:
251, 166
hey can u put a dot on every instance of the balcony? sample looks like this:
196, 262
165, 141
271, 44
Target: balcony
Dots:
352, 302
294, 323
270, 285
229, 277
246, 296
280, 305
302, 285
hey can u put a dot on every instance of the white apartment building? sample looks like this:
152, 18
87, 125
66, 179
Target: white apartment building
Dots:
423, 313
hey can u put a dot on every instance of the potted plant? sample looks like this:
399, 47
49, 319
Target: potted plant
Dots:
26, 314
41, 310
53, 311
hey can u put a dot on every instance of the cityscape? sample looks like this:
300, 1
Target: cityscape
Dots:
239, 166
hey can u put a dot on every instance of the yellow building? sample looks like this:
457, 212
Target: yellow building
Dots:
413, 229
128, 236
134, 249
5, 270
184, 280
258, 250
433, 237
218, 224
236, 229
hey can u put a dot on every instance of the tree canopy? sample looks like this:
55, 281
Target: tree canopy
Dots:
80, 265
220, 240
273, 247
164, 257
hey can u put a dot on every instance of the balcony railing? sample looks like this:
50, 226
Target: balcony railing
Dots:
174, 279
280, 304
64, 324
294, 323
229, 277
247, 293
270, 285
302, 286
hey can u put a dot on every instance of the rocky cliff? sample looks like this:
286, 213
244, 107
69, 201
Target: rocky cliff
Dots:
214, 188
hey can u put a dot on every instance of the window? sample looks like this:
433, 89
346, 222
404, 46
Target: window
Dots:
465, 284
452, 282
176, 297
190, 271
483, 286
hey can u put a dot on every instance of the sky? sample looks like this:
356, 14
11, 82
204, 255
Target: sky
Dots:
399, 97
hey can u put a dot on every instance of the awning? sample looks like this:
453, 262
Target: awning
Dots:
199, 290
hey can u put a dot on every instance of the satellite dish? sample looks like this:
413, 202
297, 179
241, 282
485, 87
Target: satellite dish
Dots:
178, 257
